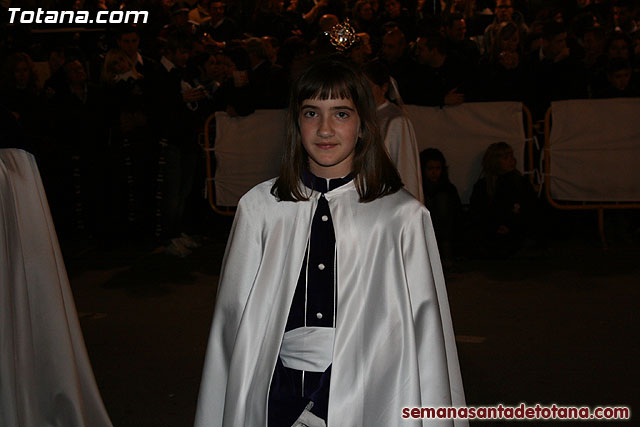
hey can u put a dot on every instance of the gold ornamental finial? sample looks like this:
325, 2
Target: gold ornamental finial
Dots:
342, 36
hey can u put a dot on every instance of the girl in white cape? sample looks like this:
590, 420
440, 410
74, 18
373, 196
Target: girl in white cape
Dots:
331, 308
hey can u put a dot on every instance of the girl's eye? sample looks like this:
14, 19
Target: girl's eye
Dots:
343, 115
309, 113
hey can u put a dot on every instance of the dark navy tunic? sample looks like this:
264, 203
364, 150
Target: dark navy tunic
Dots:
291, 390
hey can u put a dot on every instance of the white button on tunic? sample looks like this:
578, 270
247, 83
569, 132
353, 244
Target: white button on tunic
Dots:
325, 218
319, 315
321, 266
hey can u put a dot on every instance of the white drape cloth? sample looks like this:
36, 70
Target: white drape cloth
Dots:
394, 343
45, 375
595, 148
248, 151
463, 134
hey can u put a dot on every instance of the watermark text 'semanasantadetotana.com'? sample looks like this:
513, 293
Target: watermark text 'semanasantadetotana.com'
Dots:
41, 16
521, 412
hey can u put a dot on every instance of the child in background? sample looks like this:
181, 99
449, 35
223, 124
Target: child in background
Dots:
442, 200
502, 203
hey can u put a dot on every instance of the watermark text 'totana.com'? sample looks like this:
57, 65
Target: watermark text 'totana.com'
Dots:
41, 16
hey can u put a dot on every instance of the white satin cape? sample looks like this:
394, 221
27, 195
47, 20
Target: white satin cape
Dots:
45, 375
394, 343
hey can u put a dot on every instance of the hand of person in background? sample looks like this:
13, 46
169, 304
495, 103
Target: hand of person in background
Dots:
194, 94
453, 97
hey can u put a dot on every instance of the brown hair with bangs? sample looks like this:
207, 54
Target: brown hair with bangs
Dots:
335, 78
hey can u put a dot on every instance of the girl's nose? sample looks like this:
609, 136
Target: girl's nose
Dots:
325, 129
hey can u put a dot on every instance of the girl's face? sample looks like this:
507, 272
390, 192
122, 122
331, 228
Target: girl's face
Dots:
329, 130
433, 171
506, 161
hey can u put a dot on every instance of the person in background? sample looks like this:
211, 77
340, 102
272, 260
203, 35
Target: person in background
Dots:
458, 42
554, 72
80, 159
221, 28
178, 146
19, 94
442, 199
400, 16
272, 48
128, 40
503, 72
504, 12
200, 13
395, 128
266, 80
362, 17
622, 17
618, 81
360, 52
439, 78
394, 53
618, 45
180, 23
594, 59
130, 146
294, 56
56, 81
119, 67
503, 204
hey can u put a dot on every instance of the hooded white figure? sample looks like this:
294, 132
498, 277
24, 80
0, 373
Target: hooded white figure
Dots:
396, 129
331, 308
45, 373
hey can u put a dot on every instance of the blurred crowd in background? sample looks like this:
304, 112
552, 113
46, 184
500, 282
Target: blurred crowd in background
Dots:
114, 114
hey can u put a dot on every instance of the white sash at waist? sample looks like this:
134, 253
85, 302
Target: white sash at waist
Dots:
308, 348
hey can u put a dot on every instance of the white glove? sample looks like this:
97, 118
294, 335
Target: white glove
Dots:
309, 419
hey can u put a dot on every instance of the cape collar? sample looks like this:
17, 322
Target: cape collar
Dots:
323, 185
